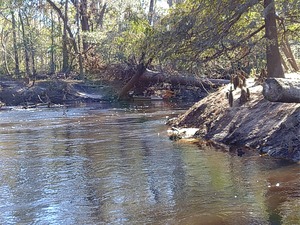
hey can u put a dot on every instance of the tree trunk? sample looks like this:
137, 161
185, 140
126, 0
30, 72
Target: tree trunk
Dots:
282, 90
286, 48
84, 21
80, 59
33, 65
141, 68
65, 55
285, 66
274, 67
100, 19
26, 50
16, 56
5, 55
52, 63
151, 12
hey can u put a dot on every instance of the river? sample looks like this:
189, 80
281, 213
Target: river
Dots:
114, 164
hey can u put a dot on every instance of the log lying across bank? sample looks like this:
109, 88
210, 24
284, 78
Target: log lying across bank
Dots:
150, 75
147, 77
282, 90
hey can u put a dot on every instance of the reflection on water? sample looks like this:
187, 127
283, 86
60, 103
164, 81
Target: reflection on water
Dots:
115, 165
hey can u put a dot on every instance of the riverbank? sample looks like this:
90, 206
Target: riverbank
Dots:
268, 127
68, 91
48, 92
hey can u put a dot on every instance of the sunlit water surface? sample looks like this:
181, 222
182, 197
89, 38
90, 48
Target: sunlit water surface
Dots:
105, 164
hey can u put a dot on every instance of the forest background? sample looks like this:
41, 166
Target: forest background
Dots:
82, 38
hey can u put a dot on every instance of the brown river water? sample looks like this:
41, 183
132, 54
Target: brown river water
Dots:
114, 164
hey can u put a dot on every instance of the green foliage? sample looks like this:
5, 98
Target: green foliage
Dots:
199, 31
289, 14
192, 36
123, 40
135, 38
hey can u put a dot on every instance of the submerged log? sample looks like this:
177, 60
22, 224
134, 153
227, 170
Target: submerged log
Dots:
282, 90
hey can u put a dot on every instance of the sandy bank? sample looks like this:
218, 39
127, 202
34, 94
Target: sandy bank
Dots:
268, 127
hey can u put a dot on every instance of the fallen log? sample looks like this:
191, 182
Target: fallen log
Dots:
141, 68
158, 77
282, 90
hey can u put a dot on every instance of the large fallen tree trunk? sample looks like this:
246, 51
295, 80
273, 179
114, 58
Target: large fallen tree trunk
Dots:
282, 90
152, 76
141, 68
147, 77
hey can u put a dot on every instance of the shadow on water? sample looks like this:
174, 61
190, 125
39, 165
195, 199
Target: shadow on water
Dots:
115, 165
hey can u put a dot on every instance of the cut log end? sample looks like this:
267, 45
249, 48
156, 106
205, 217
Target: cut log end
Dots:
282, 90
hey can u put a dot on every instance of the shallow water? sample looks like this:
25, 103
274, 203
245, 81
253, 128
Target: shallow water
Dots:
112, 164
